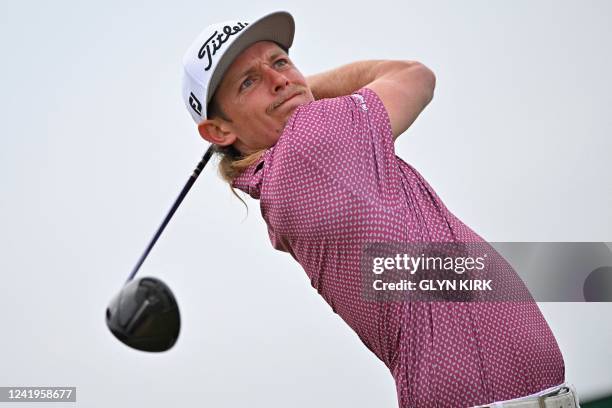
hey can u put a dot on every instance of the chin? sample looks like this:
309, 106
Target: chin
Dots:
293, 104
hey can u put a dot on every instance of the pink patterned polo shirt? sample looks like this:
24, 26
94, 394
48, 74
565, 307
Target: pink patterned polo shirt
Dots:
331, 184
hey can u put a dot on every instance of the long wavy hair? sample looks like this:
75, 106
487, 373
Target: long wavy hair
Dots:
232, 163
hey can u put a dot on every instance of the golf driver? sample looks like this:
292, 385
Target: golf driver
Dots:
144, 314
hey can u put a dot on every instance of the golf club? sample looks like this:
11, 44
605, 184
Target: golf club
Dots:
144, 314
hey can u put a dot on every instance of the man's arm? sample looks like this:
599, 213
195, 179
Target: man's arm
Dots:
405, 87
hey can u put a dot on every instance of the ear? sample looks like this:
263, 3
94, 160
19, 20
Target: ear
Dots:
217, 131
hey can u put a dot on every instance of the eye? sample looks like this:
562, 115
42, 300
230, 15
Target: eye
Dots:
281, 62
246, 83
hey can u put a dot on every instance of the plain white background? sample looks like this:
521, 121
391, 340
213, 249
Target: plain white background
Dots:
96, 144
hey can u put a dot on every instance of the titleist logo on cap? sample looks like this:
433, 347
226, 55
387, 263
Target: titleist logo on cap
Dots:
217, 40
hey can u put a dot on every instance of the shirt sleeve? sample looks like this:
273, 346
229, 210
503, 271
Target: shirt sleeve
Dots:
346, 141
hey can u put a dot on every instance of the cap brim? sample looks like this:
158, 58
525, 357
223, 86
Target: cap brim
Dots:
278, 27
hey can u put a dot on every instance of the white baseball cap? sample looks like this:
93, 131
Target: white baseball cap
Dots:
216, 47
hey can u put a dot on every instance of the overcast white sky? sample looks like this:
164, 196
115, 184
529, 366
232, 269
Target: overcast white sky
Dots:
96, 144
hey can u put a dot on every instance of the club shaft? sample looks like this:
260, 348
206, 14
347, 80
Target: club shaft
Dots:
184, 191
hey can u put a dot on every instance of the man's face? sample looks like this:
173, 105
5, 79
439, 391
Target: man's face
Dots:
258, 93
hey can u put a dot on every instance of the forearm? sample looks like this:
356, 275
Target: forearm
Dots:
349, 78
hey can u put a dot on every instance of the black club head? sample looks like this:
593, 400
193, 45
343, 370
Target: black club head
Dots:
144, 315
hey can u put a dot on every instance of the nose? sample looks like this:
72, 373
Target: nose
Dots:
277, 80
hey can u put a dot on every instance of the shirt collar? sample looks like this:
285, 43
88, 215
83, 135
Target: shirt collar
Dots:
251, 178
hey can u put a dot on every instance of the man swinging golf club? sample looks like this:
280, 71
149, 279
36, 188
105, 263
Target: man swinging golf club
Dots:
318, 153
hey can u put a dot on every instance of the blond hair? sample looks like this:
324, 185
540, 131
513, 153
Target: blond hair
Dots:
233, 163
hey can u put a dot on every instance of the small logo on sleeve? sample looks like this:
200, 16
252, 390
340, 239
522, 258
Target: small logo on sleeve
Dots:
361, 100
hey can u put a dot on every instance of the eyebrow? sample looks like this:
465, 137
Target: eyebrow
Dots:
252, 68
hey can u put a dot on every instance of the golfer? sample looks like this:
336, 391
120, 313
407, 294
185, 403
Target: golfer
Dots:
318, 153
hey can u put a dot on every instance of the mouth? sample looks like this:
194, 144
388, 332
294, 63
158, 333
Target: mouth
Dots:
277, 104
